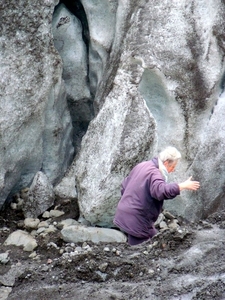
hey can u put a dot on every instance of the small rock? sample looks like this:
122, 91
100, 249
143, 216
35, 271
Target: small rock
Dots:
44, 268
49, 261
151, 272
50, 229
40, 230
103, 267
78, 249
155, 244
51, 244
46, 215
33, 254
173, 224
21, 238
163, 225
5, 229
149, 247
31, 223
168, 215
4, 258
102, 275
69, 249
56, 213
43, 224
160, 219
13, 206
66, 223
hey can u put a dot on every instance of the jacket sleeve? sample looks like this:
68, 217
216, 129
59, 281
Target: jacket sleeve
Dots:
161, 190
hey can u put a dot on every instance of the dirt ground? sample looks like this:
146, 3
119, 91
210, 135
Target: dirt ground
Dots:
189, 264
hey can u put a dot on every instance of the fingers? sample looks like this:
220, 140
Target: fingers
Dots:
195, 185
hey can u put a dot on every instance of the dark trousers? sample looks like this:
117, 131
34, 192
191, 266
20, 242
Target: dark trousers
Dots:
133, 240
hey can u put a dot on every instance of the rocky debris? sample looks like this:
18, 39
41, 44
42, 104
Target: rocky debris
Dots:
167, 221
71, 230
177, 262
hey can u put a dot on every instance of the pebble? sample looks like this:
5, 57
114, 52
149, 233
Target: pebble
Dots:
51, 244
78, 249
40, 230
103, 267
56, 213
44, 268
31, 223
46, 215
50, 229
151, 272
43, 224
49, 261
106, 249
4, 258
5, 229
33, 254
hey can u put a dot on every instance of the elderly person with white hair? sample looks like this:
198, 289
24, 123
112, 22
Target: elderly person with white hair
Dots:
143, 193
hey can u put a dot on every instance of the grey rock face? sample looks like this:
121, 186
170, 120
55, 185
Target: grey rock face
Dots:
35, 124
209, 165
68, 40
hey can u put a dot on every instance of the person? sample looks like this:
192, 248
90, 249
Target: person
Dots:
143, 192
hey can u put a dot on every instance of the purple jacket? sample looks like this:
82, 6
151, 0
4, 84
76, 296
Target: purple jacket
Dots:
143, 193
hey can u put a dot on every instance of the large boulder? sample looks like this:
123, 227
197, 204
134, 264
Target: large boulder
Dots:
78, 234
122, 134
39, 198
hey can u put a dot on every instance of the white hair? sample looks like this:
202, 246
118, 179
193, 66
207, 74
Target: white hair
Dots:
169, 153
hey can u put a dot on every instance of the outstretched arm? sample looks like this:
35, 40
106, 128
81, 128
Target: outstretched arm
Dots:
189, 185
